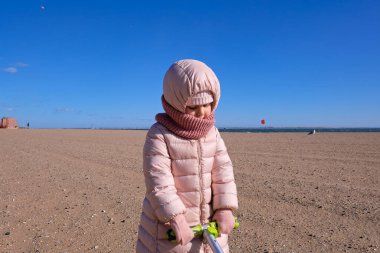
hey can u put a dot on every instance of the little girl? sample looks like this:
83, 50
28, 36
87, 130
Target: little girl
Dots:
188, 174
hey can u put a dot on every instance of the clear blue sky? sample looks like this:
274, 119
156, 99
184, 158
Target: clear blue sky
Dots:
101, 63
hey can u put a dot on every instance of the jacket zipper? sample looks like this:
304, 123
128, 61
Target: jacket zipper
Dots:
200, 179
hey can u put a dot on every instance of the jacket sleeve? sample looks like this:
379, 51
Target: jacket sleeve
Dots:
223, 181
159, 181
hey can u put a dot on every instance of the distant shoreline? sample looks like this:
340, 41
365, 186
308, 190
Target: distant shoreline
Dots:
259, 129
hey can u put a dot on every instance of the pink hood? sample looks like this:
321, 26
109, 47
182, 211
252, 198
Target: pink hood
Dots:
186, 78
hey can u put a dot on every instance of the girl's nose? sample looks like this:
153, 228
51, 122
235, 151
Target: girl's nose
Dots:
201, 112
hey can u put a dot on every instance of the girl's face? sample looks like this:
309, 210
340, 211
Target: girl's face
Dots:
199, 111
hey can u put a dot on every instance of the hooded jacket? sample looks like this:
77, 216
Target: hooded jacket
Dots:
184, 176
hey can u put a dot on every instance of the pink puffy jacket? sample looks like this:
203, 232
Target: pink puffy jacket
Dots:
190, 177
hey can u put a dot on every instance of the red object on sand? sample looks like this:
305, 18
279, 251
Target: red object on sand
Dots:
8, 123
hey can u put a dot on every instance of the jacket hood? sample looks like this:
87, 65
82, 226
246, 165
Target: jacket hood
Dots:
186, 78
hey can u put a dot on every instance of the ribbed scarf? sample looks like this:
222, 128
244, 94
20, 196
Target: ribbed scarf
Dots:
184, 125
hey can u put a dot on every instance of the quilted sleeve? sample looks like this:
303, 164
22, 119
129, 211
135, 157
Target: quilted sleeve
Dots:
159, 181
223, 181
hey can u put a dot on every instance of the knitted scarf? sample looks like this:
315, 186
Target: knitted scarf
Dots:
182, 124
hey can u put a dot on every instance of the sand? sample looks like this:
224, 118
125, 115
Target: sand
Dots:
81, 191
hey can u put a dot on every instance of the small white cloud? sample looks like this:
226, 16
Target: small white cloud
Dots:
7, 107
10, 70
14, 67
66, 110
21, 64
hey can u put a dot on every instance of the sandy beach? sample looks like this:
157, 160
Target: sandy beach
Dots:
81, 191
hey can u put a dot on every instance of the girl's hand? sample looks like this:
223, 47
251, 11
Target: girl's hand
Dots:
225, 220
182, 230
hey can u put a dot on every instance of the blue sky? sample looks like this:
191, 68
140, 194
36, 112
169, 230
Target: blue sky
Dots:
101, 63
